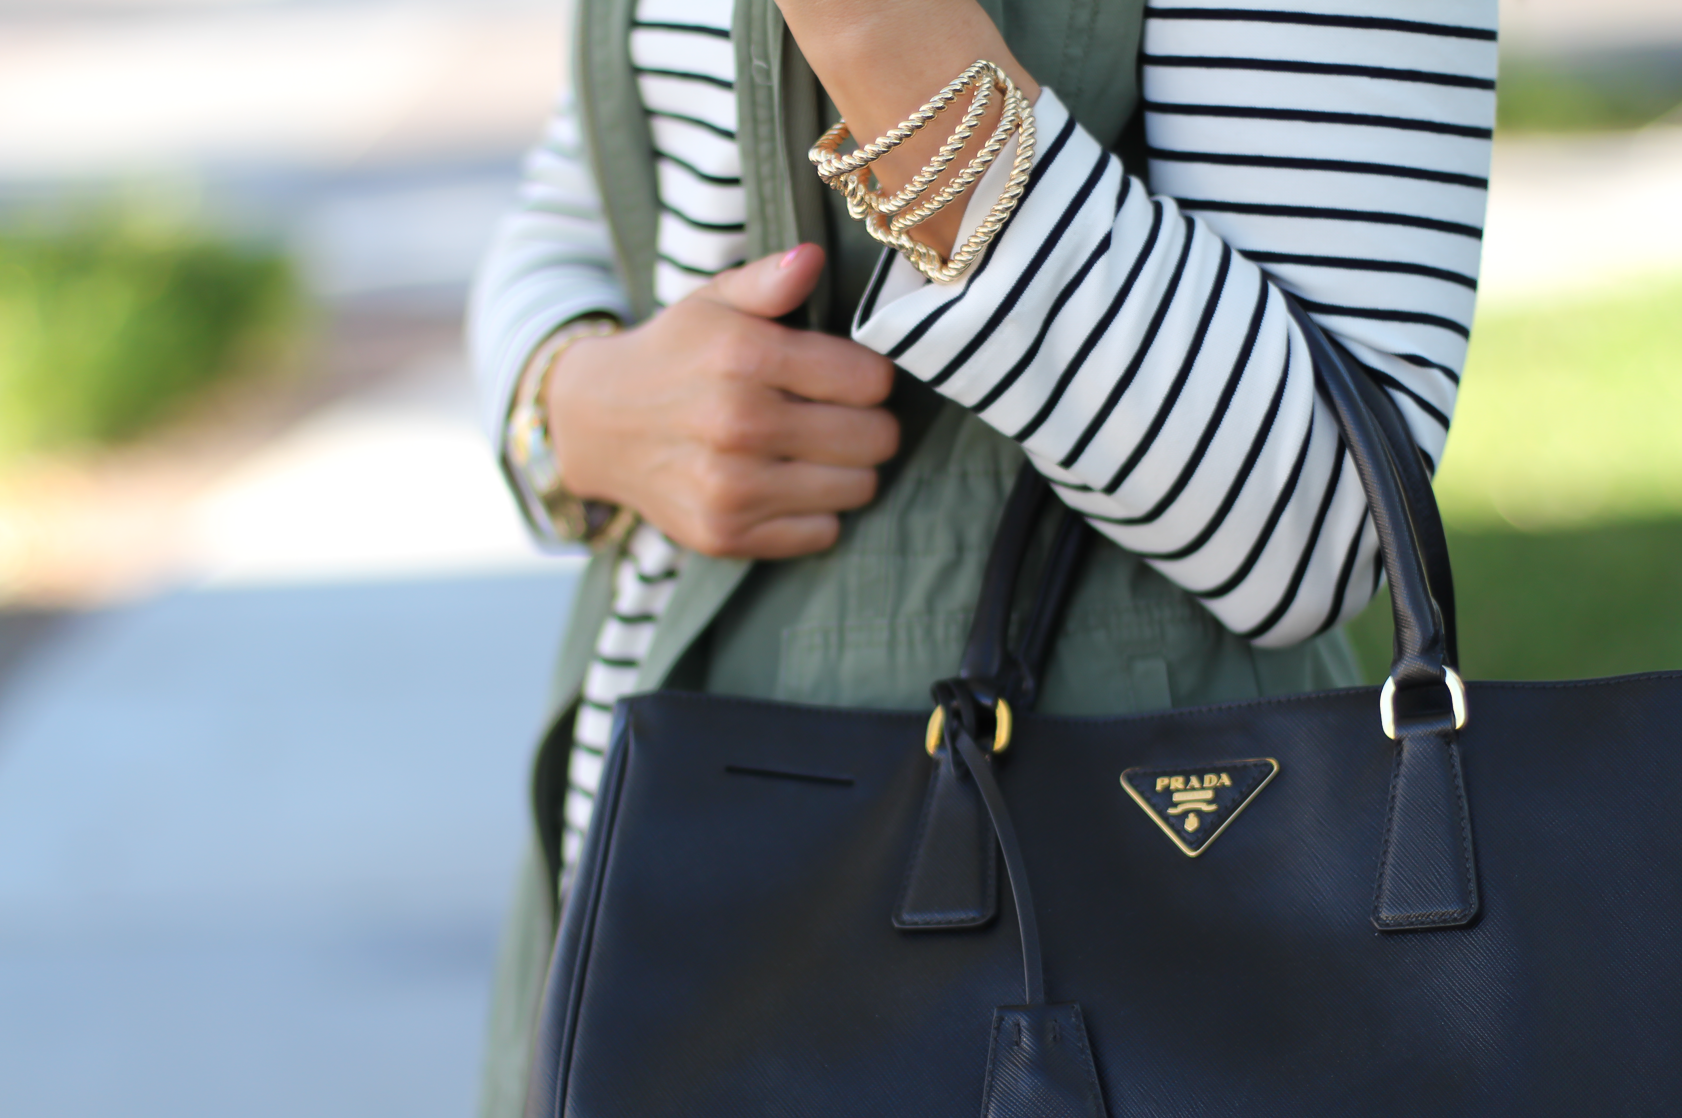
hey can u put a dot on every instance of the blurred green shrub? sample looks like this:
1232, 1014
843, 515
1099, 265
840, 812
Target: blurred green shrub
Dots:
1606, 89
1570, 413
108, 324
1562, 491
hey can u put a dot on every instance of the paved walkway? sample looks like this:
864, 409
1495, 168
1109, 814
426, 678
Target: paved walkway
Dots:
255, 844
257, 831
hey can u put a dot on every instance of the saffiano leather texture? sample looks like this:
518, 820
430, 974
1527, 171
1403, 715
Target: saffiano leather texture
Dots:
1473, 922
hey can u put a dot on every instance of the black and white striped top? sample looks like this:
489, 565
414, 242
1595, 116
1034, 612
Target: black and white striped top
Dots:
642, 585
686, 73
1135, 345
1136, 342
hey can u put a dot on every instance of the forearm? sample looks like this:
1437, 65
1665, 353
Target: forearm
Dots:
1150, 369
880, 60
550, 261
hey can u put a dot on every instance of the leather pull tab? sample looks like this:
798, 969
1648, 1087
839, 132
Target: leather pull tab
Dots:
953, 878
1427, 876
1040, 1065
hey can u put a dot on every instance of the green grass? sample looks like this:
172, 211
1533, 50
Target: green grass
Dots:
107, 325
1564, 605
1562, 488
1570, 413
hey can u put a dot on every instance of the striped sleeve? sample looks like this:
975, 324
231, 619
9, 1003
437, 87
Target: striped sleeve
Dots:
550, 261
1137, 344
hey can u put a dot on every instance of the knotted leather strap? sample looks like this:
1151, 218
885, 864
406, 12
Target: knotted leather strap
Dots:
951, 880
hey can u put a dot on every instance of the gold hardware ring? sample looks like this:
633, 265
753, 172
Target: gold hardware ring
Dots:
1001, 728
1456, 695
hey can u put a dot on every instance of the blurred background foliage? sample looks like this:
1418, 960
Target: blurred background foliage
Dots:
113, 319
1625, 87
1561, 489
1569, 410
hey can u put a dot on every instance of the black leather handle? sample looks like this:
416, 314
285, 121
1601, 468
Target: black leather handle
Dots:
1421, 646
951, 881
986, 652
1068, 548
1427, 864
1421, 501
1399, 494
990, 668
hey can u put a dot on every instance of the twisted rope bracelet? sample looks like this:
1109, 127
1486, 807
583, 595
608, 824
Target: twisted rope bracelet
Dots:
861, 199
887, 218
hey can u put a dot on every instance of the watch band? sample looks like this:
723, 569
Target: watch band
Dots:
531, 452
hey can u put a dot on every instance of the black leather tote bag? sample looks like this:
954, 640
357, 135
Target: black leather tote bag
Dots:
1441, 899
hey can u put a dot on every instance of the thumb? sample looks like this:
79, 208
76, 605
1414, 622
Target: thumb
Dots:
771, 286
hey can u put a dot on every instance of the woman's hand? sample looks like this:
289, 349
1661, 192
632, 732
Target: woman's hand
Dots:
880, 60
732, 434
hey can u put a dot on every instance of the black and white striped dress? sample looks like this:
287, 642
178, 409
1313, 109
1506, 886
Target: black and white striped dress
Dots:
1136, 343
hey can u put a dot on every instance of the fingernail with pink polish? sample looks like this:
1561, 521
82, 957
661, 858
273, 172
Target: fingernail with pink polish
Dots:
788, 257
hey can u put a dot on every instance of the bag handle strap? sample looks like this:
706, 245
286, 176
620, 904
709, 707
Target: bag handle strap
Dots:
994, 670
1421, 645
986, 655
1419, 496
951, 880
990, 669
1427, 868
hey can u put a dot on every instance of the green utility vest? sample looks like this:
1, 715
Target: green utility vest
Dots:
879, 617
876, 619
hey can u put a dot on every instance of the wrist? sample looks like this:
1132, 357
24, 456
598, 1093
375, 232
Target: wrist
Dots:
566, 404
880, 59
535, 451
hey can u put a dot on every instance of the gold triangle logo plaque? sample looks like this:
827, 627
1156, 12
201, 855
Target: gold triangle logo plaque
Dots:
1193, 804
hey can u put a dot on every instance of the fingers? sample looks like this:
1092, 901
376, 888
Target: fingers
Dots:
748, 438
771, 286
748, 490
806, 363
830, 435
737, 501
764, 423
789, 537
833, 370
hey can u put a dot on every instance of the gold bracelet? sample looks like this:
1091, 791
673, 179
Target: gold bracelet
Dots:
831, 166
1010, 121
860, 198
888, 219
927, 260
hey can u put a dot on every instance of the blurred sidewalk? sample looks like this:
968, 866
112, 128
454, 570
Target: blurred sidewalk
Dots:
260, 828
263, 791
255, 846
1575, 214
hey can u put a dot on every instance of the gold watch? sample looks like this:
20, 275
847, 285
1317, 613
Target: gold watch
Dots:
531, 452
